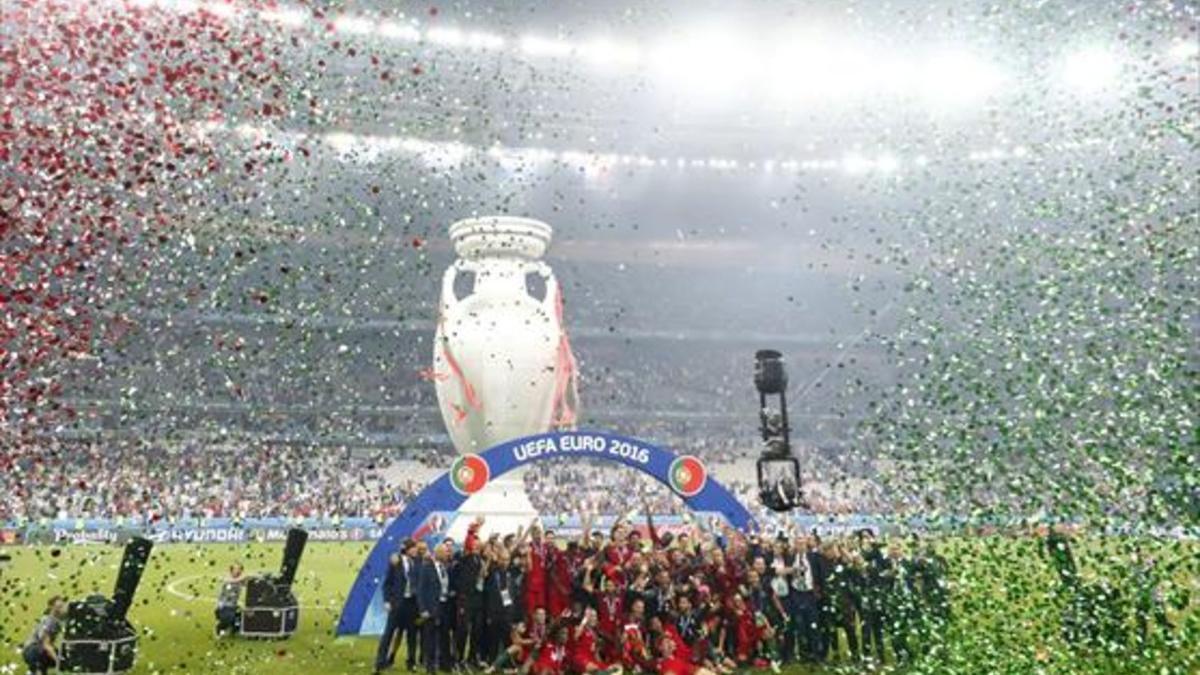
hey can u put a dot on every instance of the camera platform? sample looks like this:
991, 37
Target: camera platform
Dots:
97, 636
269, 622
99, 654
271, 609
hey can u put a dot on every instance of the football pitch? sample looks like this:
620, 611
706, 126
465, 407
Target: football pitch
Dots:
1006, 617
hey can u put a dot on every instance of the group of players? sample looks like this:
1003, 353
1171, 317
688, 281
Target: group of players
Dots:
694, 603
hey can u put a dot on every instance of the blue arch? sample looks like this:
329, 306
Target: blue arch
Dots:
362, 614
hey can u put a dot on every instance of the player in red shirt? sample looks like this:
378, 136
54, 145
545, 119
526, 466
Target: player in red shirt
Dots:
518, 652
583, 648
535, 580
635, 654
559, 576
552, 657
672, 659
618, 550
611, 614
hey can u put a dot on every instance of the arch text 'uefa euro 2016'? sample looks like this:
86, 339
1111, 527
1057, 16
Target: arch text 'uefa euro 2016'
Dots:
426, 515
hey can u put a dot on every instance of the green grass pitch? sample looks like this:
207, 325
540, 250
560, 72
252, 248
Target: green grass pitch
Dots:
1005, 617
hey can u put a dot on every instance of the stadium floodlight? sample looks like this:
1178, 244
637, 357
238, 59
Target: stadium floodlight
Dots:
292, 18
812, 66
1091, 69
778, 469
539, 46
604, 52
448, 37
341, 142
355, 25
953, 78
180, 6
705, 63
399, 31
484, 40
854, 163
1183, 50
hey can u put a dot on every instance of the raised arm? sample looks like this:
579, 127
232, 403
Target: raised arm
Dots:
588, 586
654, 538
586, 523
473, 534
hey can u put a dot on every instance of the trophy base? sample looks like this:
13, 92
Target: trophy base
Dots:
503, 503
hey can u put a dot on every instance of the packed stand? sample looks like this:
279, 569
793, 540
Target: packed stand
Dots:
135, 481
595, 487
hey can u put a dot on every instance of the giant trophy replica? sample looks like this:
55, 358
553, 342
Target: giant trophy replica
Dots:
98, 638
502, 362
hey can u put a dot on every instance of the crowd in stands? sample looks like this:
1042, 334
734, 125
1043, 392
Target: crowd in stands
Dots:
595, 487
137, 481
151, 481
601, 488
695, 602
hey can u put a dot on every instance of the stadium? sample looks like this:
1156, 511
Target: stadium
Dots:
593, 338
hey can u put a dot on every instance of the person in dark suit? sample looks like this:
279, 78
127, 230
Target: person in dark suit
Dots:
467, 584
876, 588
501, 590
902, 602
399, 603
804, 570
412, 632
434, 605
820, 572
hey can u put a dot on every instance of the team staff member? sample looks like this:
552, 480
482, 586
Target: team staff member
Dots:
39, 653
400, 605
437, 612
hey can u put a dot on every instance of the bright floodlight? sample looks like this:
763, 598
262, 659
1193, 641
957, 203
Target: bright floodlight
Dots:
705, 63
484, 40
808, 67
602, 51
854, 163
293, 18
539, 46
341, 142
954, 77
449, 37
354, 25
887, 163
1091, 69
222, 10
1183, 50
399, 31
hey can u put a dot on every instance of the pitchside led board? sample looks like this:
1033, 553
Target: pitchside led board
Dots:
685, 475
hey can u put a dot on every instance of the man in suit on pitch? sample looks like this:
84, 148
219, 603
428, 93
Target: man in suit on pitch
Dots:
433, 596
400, 604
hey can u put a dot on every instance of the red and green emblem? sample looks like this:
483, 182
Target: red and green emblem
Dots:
469, 474
688, 475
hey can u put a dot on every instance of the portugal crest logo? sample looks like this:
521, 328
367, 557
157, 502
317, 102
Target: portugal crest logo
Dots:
688, 475
468, 474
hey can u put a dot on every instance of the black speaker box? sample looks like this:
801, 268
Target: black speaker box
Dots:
271, 608
98, 637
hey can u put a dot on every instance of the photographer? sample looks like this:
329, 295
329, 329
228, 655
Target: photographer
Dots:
228, 612
39, 652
